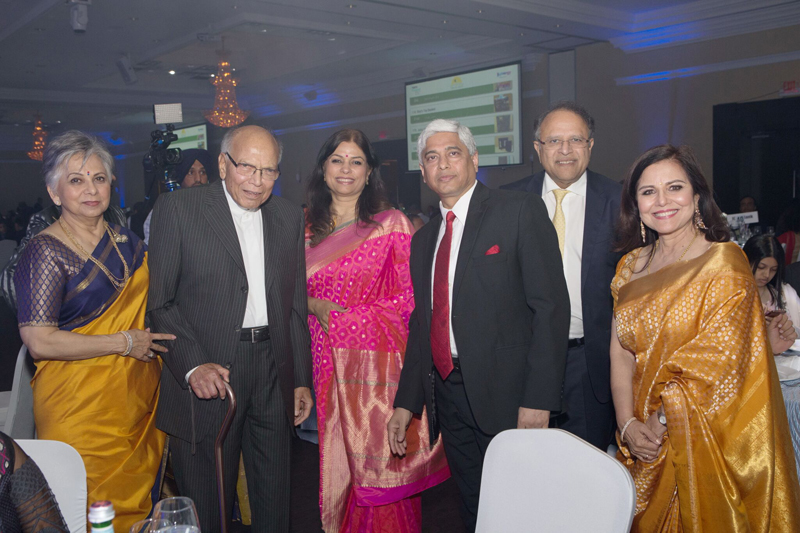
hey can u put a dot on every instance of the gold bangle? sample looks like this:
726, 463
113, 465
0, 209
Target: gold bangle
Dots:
622, 433
130, 343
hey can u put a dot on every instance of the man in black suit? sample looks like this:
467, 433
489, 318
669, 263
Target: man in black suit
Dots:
488, 337
228, 277
586, 212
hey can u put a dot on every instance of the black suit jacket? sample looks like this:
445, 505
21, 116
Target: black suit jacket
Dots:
598, 265
510, 312
198, 292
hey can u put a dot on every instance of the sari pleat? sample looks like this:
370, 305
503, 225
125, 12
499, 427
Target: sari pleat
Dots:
356, 371
698, 334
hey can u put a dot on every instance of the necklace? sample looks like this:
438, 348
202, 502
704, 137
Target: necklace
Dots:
118, 283
681, 257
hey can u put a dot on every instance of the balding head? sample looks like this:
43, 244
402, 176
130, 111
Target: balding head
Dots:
248, 164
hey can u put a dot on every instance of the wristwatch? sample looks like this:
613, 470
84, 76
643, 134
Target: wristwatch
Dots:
662, 418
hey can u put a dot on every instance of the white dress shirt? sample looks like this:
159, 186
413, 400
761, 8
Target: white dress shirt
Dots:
574, 207
460, 210
250, 230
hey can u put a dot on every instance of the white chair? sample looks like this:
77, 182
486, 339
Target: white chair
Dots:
19, 418
65, 472
548, 480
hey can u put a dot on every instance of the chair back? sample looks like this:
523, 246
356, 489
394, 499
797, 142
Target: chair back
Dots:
7, 247
548, 480
65, 472
19, 418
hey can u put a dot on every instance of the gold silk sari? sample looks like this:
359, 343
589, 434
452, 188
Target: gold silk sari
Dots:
104, 407
698, 334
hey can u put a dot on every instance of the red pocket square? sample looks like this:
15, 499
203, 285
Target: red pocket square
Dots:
493, 250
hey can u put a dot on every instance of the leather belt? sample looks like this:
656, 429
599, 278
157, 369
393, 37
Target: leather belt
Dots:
574, 343
259, 334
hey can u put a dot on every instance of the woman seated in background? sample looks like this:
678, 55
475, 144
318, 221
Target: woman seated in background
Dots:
359, 299
82, 290
766, 258
703, 428
27, 504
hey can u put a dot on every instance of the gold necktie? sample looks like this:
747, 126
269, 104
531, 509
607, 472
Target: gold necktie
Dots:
558, 218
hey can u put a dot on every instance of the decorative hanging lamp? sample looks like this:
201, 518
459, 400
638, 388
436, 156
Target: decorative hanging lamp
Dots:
226, 112
39, 136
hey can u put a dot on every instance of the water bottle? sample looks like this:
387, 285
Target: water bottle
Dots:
101, 516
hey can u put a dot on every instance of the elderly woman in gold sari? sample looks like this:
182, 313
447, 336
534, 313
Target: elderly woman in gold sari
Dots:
82, 290
702, 424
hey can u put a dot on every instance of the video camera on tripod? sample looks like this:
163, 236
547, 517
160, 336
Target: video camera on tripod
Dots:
160, 162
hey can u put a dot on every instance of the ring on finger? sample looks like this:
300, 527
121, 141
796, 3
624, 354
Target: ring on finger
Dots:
150, 354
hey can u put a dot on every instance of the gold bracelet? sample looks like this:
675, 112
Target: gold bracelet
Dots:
622, 433
130, 343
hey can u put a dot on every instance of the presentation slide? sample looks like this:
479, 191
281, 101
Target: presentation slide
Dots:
487, 101
191, 137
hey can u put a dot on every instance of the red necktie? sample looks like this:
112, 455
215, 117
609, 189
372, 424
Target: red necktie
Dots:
440, 319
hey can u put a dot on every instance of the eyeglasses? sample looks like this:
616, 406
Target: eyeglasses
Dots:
555, 144
248, 171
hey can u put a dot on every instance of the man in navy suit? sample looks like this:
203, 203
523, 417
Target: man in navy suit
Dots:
584, 207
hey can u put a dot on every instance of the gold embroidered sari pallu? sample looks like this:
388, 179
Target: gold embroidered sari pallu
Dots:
698, 334
105, 406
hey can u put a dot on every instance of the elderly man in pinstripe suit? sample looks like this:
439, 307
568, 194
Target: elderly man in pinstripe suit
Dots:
228, 278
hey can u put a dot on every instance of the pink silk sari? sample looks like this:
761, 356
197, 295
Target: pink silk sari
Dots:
357, 367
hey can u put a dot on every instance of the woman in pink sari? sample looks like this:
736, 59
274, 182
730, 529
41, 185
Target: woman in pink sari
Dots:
360, 299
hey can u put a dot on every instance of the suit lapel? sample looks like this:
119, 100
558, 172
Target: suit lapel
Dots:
471, 229
428, 248
218, 215
536, 182
596, 205
273, 233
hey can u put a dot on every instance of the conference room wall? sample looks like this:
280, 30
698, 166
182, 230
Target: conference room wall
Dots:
633, 118
302, 134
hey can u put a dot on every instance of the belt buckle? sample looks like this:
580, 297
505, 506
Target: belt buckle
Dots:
253, 335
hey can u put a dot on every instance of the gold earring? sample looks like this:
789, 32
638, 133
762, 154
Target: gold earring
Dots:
644, 233
698, 219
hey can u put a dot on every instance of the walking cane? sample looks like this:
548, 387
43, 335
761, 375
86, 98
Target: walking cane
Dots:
223, 433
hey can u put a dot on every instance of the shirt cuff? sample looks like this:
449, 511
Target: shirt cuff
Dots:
189, 373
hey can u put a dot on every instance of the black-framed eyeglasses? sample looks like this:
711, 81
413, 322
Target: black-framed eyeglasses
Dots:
248, 171
555, 144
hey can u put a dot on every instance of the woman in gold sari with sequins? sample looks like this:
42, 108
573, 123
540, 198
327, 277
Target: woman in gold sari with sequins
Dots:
82, 290
702, 424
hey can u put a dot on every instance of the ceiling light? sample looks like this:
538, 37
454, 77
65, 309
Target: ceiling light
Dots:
480, 11
558, 25
521, 34
351, 6
444, 22
264, 30
134, 19
213, 75
58, 122
172, 72
331, 38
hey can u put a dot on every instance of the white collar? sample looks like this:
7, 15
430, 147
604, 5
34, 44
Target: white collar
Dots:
237, 210
462, 205
578, 187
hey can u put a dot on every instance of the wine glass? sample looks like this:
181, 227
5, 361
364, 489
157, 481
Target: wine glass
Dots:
148, 525
176, 515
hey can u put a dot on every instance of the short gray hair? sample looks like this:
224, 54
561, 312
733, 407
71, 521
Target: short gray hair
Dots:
231, 134
564, 105
61, 149
443, 125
